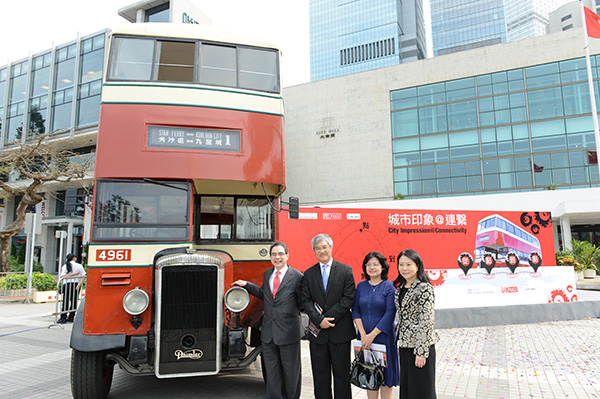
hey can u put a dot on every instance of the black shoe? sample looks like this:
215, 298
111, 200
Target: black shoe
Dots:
69, 321
62, 321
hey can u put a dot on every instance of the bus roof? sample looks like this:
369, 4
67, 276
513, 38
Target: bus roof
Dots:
192, 31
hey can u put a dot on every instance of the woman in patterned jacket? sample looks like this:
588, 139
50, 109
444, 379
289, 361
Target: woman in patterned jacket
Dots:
416, 338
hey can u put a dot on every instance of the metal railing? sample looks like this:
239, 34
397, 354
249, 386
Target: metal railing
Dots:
9, 281
68, 296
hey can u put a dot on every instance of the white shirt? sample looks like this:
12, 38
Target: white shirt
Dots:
77, 268
281, 274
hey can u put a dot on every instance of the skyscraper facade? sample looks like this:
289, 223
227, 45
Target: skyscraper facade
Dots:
458, 25
350, 37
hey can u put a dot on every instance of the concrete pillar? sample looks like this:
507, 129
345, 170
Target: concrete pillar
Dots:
565, 226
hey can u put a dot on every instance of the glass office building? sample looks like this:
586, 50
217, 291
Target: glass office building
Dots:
350, 37
458, 25
518, 130
56, 91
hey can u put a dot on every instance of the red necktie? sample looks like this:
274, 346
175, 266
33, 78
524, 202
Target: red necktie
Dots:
276, 282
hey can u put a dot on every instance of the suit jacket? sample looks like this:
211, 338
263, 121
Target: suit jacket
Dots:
336, 302
281, 320
415, 318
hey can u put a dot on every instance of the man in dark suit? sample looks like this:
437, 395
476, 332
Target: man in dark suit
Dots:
280, 332
327, 295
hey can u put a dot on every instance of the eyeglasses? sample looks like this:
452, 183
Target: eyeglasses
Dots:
274, 254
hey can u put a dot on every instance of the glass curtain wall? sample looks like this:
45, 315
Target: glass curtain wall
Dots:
519, 130
46, 83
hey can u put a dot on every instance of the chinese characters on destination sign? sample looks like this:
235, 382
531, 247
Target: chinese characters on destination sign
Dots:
427, 223
193, 139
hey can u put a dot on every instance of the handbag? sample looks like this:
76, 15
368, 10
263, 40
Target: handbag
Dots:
366, 375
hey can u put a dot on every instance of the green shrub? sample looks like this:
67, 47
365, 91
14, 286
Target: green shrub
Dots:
39, 281
21, 252
15, 266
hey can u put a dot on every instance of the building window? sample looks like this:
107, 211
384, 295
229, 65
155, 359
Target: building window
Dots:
90, 77
158, 14
62, 98
40, 83
16, 102
563, 19
567, 27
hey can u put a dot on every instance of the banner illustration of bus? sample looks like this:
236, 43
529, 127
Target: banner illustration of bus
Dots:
499, 241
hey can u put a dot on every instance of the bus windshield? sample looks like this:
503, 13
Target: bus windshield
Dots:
141, 211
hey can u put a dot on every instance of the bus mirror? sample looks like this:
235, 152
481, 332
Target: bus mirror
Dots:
294, 207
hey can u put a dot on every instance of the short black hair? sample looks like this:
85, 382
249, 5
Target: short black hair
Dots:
278, 243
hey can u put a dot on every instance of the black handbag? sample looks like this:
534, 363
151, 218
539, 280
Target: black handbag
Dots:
366, 375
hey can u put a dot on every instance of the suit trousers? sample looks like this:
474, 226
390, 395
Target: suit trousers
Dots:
417, 382
328, 358
282, 367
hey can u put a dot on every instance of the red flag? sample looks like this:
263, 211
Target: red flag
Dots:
537, 168
592, 23
592, 157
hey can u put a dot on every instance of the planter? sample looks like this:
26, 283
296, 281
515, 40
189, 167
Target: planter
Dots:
589, 273
579, 275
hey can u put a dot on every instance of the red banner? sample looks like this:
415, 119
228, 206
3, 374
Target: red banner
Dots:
439, 236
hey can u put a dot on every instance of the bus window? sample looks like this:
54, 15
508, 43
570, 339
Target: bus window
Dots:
216, 218
231, 218
218, 65
175, 61
141, 211
254, 219
131, 59
258, 69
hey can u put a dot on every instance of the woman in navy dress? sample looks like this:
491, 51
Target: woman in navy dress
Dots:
373, 314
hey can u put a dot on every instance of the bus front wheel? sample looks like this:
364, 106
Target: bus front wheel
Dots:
91, 375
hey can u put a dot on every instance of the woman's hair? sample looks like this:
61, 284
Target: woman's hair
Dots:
70, 258
414, 256
385, 268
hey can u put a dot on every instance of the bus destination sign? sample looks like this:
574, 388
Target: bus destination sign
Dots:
194, 139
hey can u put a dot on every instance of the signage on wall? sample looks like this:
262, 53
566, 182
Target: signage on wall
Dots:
194, 139
327, 133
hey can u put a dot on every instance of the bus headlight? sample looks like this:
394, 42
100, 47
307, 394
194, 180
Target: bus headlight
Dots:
236, 299
136, 301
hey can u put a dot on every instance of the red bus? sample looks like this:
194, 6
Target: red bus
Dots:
189, 170
499, 237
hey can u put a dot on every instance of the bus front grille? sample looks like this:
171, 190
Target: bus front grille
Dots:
189, 317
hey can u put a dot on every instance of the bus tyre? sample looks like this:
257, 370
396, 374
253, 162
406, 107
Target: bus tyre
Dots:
91, 375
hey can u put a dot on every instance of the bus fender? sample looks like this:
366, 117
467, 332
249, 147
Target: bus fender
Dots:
93, 343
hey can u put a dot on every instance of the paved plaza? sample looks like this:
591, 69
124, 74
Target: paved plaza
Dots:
542, 360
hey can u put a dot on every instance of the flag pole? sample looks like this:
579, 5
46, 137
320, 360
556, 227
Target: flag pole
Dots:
591, 87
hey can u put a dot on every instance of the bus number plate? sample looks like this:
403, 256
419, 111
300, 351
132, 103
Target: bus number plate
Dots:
111, 255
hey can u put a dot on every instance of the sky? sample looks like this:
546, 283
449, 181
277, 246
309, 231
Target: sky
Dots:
34, 25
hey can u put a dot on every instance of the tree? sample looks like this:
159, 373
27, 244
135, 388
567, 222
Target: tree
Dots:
40, 162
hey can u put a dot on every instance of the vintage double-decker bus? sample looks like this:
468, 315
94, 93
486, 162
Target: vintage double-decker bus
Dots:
498, 236
189, 171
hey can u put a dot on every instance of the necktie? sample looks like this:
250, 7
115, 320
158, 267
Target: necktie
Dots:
276, 282
325, 276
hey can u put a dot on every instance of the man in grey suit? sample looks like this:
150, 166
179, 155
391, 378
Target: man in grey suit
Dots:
280, 332
328, 292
